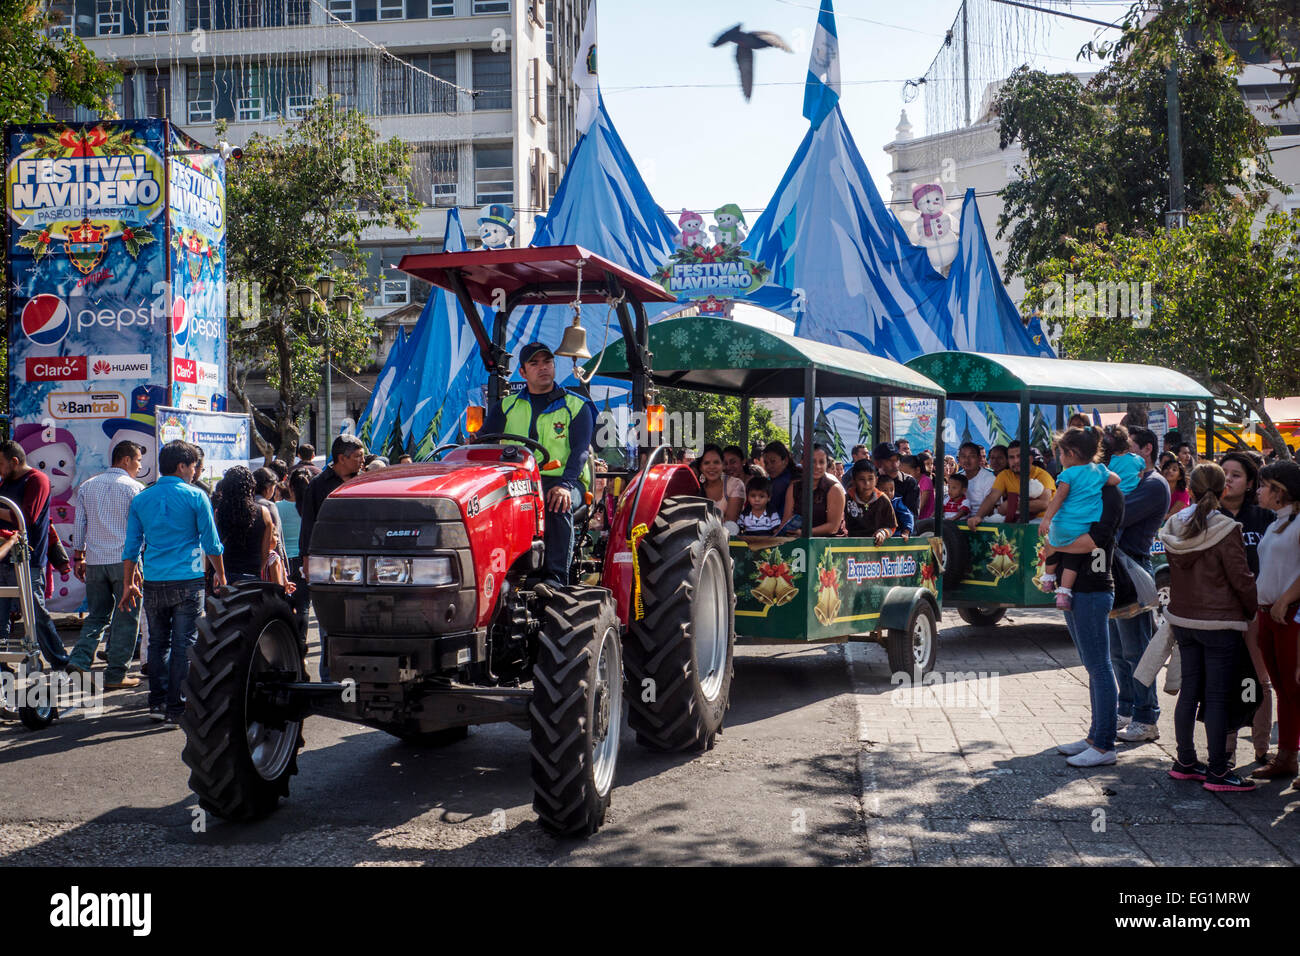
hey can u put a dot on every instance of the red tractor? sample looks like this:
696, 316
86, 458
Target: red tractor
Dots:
427, 580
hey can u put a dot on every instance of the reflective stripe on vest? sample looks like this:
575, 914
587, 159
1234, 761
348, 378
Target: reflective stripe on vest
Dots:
552, 429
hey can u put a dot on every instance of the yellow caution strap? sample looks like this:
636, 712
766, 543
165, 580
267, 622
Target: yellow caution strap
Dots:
639, 532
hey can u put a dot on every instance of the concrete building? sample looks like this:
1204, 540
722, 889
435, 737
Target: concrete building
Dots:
482, 88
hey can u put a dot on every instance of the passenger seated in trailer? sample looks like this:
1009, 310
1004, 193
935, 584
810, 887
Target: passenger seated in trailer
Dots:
755, 518
902, 513
868, 512
828, 500
1007, 486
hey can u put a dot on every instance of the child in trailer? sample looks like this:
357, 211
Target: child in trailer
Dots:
1074, 507
754, 518
902, 513
868, 512
1121, 459
955, 508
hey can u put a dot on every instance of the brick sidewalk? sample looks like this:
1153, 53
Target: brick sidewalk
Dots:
944, 783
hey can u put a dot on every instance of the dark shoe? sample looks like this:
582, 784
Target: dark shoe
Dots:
71, 667
1193, 771
1227, 783
158, 713
101, 656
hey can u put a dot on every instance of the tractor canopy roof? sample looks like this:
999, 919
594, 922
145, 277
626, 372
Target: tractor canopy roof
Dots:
546, 275
1013, 378
730, 358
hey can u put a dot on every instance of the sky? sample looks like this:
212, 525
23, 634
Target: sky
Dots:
676, 101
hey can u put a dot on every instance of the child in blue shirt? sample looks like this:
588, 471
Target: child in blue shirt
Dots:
906, 520
1074, 507
1123, 462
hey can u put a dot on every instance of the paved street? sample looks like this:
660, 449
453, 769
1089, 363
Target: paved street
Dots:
819, 765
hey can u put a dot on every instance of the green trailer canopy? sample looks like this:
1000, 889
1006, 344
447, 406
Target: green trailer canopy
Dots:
1009, 378
729, 358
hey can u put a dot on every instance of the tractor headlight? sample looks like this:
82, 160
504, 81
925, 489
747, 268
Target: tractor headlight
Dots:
430, 572
333, 569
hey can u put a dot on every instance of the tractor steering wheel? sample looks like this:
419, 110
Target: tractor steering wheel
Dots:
484, 440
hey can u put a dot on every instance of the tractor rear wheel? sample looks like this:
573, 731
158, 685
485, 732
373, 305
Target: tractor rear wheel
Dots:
576, 710
679, 655
241, 755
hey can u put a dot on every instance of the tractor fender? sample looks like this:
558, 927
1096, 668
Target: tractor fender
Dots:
663, 481
896, 609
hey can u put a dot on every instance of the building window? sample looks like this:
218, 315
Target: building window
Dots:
392, 9
157, 16
198, 14
343, 9
297, 13
484, 7
396, 292
491, 80
537, 11
442, 8
494, 174
108, 18
343, 81
435, 173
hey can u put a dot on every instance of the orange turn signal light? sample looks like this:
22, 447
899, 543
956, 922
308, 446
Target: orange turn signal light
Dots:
654, 418
474, 418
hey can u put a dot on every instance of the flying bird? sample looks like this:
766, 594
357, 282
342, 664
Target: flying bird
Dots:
746, 44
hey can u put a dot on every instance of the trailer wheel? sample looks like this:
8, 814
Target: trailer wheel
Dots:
577, 709
679, 657
240, 754
38, 718
982, 616
912, 651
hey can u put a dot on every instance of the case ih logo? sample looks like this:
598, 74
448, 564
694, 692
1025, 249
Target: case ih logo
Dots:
64, 368
121, 366
185, 370
46, 320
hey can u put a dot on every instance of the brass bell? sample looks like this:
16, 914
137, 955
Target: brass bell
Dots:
574, 343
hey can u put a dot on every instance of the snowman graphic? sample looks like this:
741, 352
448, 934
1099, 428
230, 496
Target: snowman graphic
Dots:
494, 227
54, 452
935, 230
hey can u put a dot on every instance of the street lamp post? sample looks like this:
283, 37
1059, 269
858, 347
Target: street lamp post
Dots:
320, 331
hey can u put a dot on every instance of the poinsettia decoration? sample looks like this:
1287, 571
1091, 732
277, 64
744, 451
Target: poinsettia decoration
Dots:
83, 141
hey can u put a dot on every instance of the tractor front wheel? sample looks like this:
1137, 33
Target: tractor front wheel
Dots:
576, 710
679, 655
241, 754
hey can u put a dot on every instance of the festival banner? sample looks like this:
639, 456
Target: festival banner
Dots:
197, 212
86, 268
223, 436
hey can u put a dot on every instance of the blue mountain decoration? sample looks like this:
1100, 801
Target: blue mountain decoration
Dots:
378, 416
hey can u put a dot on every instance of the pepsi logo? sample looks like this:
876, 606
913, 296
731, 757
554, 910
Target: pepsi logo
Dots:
46, 319
180, 322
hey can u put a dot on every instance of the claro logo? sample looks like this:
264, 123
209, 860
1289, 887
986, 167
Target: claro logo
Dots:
64, 368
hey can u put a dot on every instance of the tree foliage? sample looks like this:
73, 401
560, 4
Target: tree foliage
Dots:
1097, 153
1153, 29
1225, 302
298, 203
35, 66
722, 417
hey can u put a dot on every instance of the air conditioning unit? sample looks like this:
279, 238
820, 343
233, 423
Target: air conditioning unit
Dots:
250, 110
199, 111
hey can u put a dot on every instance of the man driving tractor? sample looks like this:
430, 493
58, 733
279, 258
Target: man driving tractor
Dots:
563, 422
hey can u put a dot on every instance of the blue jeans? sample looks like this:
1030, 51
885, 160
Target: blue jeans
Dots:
103, 591
558, 537
47, 635
172, 609
1087, 623
1128, 642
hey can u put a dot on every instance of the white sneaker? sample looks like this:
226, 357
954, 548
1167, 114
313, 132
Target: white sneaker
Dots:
1137, 732
1078, 747
1092, 757
1121, 722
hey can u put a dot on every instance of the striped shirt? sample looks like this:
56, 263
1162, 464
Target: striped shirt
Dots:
103, 503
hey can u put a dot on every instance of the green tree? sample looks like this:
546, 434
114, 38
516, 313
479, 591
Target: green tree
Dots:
297, 204
37, 66
1153, 29
1215, 300
1097, 153
722, 416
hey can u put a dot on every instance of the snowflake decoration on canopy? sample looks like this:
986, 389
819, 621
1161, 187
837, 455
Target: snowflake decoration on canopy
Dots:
678, 338
977, 378
740, 354
710, 352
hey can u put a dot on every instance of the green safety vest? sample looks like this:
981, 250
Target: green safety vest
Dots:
552, 429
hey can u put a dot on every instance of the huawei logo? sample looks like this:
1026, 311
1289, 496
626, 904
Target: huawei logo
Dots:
102, 367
